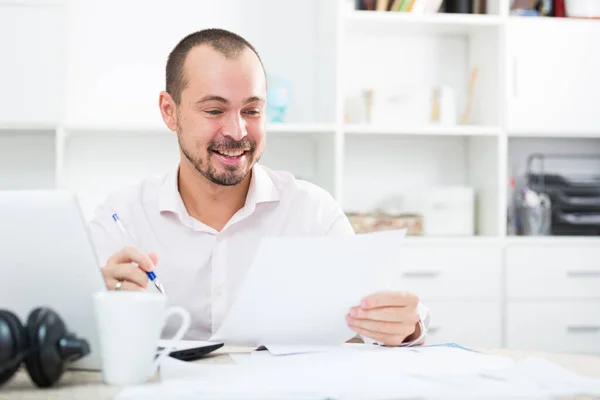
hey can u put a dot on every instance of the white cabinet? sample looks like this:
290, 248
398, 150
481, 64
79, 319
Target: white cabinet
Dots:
553, 84
476, 325
553, 297
32, 63
461, 285
553, 272
554, 326
461, 271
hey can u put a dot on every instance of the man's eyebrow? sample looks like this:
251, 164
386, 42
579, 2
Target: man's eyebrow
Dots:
253, 99
212, 97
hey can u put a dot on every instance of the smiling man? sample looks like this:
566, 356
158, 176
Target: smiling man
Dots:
200, 224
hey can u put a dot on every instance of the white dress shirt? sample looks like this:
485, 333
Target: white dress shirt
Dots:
200, 268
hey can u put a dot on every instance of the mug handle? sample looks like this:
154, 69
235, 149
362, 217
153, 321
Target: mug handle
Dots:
185, 325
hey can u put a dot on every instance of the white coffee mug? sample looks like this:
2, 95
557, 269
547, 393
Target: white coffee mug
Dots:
129, 326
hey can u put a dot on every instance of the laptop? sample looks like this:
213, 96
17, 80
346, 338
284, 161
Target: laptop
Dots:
47, 259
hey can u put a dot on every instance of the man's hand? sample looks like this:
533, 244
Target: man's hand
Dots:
387, 317
129, 266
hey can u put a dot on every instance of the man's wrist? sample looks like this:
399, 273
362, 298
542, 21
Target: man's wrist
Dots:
415, 335
418, 336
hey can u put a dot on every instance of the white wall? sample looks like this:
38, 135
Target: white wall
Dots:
32, 63
379, 168
116, 60
27, 160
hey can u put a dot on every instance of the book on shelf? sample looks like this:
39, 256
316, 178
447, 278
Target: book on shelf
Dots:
424, 6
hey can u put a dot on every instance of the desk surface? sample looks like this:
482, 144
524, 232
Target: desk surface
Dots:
88, 385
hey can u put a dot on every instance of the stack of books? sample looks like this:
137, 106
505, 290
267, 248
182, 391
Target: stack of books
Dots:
424, 6
420, 6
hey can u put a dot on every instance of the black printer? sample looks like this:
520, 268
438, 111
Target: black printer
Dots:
575, 198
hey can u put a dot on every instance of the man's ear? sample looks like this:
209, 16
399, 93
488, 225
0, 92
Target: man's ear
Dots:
168, 110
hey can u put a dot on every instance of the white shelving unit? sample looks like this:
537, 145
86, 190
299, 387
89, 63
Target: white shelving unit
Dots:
79, 112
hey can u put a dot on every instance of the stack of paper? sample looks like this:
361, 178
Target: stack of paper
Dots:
367, 372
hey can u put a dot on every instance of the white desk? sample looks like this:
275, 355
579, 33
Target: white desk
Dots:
88, 385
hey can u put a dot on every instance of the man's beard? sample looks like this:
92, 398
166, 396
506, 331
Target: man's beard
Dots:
233, 175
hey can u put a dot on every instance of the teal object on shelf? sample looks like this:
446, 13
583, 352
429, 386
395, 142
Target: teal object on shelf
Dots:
279, 93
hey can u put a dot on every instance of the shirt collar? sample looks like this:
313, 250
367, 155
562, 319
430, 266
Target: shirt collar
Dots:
261, 190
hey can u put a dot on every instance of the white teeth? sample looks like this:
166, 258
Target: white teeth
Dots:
231, 153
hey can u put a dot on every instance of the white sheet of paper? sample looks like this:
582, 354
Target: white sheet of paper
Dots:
551, 377
284, 350
366, 372
299, 290
276, 380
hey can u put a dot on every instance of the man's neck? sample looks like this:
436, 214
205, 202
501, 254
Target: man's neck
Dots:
207, 202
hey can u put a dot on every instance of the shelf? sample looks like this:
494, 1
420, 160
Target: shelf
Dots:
156, 129
32, 3
440, 23
300, 128
553, 240
511, 240
561, 134
454, 240
464, 130
27, 126
101, 129
551, 20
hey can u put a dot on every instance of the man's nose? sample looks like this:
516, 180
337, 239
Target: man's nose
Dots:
235, 128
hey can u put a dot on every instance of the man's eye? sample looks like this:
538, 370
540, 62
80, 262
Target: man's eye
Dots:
252, 112
214, 112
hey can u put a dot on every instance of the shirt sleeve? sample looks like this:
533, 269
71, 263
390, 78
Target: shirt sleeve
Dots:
423, 324
340, 227
104, 235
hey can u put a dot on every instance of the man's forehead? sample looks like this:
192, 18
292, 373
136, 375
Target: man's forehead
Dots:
205, 57
207, 72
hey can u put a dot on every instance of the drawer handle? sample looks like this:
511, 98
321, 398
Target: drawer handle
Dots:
421, 274
583, 274
583, 328
433, 329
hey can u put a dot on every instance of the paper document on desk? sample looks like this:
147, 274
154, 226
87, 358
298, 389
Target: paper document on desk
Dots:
299, 290
373, 372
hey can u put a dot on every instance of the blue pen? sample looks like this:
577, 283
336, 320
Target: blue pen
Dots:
150, 274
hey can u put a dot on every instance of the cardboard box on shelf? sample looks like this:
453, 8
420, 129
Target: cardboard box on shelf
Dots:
379, 221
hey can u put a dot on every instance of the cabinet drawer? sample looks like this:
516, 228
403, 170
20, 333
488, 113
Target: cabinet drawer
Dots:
449, 271
469, 324
572, 326
552, 272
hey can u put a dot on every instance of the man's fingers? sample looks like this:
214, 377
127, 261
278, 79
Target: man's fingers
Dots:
379, 326
389, 299
125, 285
153, 258
127, 272
385, 314
133, 255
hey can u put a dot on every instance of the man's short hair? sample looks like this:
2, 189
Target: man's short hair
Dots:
225, 42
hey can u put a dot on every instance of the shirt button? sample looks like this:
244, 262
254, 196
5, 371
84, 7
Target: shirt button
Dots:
219, 238
219, 290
